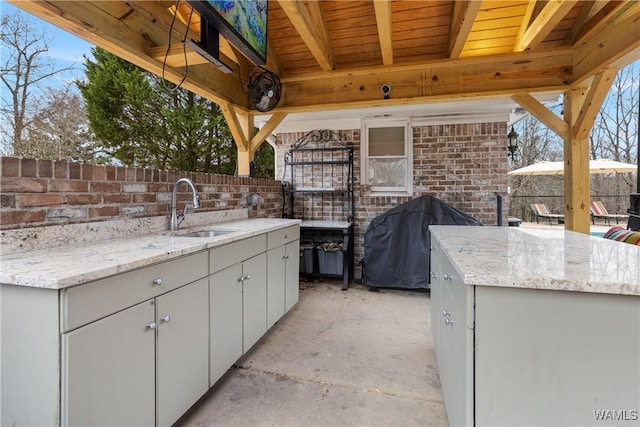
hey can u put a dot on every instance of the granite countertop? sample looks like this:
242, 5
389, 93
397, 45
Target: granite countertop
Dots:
540, 259
64, 266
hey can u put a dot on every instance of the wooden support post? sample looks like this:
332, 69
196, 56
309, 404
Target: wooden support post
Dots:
576, 167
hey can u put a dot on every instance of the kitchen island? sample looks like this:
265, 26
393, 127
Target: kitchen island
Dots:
134, 330
536, 327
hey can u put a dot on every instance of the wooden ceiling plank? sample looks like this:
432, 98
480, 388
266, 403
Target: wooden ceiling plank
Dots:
311, 27
383, 21
266, 130
464, 15
593, 102
542, 113
544, 23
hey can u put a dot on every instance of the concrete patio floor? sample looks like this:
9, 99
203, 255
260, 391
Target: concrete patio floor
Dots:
338, 358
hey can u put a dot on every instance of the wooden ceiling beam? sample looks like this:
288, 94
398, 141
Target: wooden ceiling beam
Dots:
383, 20
441, 80
266, 130
310, 24
583, 30
236, 127
593, 102
542, 113
617, 44
463, 17
547, 20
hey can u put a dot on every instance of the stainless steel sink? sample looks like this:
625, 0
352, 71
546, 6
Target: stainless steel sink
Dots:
207, 233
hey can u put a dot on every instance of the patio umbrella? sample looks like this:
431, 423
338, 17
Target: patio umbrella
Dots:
557, 168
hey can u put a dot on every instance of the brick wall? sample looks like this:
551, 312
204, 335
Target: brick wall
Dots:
465, 165
43, 192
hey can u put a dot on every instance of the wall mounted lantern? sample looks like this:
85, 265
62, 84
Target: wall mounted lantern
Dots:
512, 140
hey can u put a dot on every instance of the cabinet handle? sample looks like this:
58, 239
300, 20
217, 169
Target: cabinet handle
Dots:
247, 277
448, 321
447, 277
151, 326
243, 278
166, 318
287, 256
446, 313
432, 249
157, 281
433, 275
286, 236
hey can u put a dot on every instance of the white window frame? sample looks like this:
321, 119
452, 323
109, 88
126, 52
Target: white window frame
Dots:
407, 189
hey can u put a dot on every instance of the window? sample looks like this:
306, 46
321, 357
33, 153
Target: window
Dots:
387, 162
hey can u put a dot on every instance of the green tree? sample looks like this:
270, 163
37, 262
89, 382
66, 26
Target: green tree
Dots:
143, 120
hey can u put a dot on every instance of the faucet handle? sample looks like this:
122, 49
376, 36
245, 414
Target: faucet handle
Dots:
196, 202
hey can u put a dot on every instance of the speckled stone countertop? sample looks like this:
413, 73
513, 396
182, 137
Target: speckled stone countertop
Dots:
540, 259
73, 264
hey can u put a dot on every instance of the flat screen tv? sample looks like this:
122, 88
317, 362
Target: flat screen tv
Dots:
242, 22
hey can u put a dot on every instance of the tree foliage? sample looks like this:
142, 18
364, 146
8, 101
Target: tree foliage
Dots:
144, 121
59, 129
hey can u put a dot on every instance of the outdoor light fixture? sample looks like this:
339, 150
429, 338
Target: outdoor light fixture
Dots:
512, 138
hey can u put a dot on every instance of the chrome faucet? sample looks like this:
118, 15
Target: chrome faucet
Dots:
176, 219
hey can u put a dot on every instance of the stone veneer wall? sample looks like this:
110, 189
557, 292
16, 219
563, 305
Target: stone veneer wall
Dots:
44, 192
465, 165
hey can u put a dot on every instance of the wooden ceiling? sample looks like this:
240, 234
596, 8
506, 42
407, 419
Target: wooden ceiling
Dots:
336, 54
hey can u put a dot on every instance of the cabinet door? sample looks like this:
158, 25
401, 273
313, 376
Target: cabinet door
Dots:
276, 283
182, 349
225, 294
454, 349
254, 300
108, 368
292, 274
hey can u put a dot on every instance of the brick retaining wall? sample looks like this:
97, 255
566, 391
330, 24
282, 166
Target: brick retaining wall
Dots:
44, 192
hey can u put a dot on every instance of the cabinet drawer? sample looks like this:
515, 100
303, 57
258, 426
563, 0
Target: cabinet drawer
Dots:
226, 255
86, 303
283, 236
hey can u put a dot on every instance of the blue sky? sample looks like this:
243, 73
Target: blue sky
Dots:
65, 48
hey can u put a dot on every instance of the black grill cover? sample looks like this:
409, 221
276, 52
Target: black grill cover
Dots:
396, 243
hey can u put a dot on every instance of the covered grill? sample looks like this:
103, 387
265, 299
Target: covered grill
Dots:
396, 243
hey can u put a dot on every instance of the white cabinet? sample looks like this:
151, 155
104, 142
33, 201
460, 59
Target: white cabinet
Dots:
283, 262
109, 370
452, 326
226, 321
526, 356
238, 301
145, 364
140, 347
182, 350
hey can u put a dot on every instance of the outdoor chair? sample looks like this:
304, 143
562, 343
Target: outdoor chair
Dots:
541, 210
599, 211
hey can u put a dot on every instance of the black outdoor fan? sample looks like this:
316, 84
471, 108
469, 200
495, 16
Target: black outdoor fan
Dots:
264, 91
